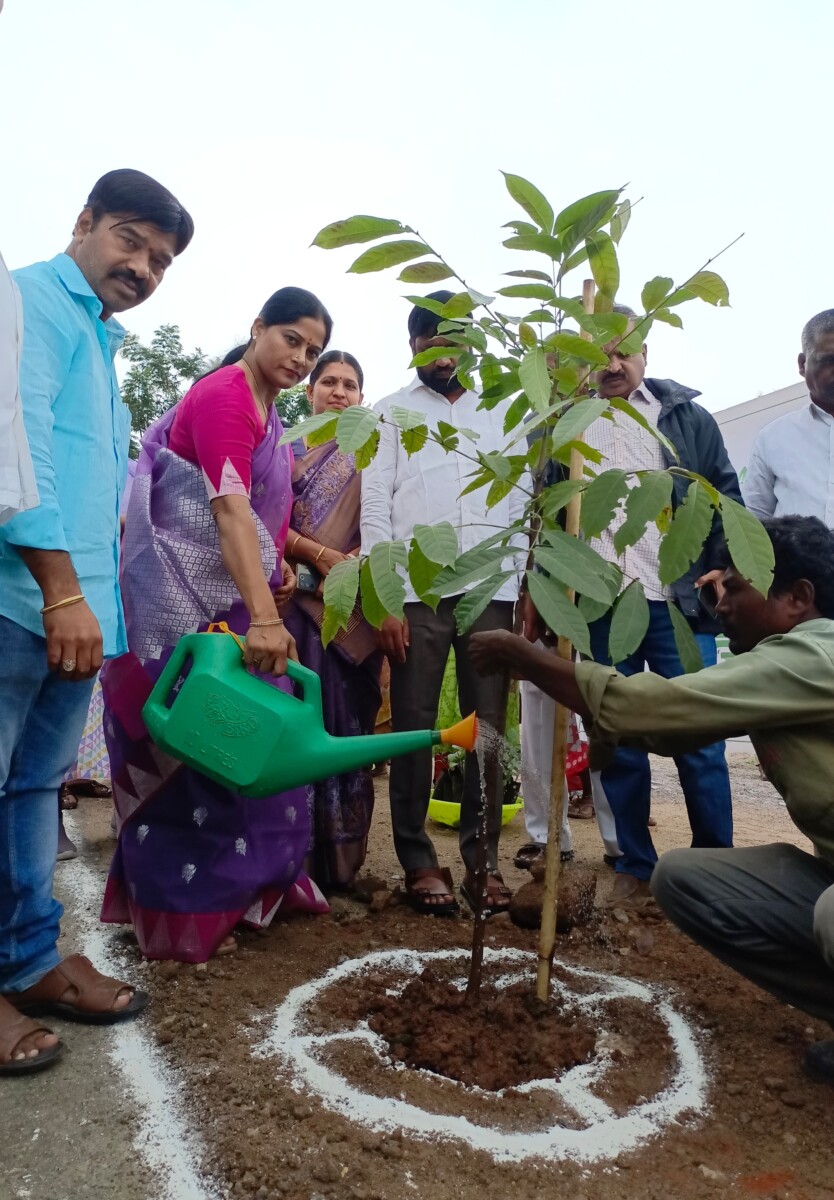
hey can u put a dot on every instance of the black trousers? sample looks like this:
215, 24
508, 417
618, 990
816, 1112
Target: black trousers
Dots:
415, 693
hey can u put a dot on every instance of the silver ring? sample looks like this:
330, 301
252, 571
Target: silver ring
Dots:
68, 665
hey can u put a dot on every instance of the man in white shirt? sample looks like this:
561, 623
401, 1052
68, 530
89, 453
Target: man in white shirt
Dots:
792, 462
18, 489
399, 492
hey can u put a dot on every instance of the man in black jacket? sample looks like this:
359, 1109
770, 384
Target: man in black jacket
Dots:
627, 777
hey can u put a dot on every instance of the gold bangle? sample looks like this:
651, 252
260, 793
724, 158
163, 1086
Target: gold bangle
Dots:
48, 608
318, 556
263, 624
291, 549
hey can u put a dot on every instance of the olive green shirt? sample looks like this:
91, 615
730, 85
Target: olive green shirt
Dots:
781, 694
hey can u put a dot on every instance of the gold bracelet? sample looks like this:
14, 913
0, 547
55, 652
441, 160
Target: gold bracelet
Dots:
291, 549
263, 624
318, 556
48, 608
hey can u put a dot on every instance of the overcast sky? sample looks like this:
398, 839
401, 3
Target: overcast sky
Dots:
271, 118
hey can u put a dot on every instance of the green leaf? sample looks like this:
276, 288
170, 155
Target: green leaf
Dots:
433, 354
414, 439
558, 495
473, 603
356, 425
447, 436
604, 326
600, 501
540, 243
577, 347
340, 588
688, 531
688, 649
542, 275
425, 272
575, 564
422, 572
592, 610
367, 453
527, 335
355, 230
384, 559
438, 542
668, 317
432, 306
576, 420
533, 376
585, 215
620, 220
706, 285
625, 406
406, 418
644, 503
460, 305
539, 316
633, 342
372, 610
629, 623
516, 412
574, 260
387, 254
655, 291
520, 226
498, 489
534, 203
750, 547
322, 422
471, 567
558, 612
528, 291
570, 306
602, 257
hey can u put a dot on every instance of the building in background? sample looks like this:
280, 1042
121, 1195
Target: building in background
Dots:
740, 424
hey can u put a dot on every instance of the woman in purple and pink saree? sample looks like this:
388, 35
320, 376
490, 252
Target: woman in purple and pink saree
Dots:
204, 542
324, 529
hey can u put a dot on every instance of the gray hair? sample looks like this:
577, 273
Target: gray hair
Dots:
822, 323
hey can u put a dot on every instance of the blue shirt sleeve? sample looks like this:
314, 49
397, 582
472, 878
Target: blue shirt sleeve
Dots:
45, 364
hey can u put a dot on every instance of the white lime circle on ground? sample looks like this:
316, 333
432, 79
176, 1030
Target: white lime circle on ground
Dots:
605, 1133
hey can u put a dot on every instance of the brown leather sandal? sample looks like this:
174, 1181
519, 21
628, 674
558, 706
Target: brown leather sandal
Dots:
15, 1028
418, 888
498, 895
76, 991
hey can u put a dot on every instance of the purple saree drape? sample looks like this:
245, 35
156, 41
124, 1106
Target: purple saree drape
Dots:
193, 859
326, 508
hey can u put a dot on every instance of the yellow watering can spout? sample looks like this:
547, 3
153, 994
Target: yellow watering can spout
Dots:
464, 734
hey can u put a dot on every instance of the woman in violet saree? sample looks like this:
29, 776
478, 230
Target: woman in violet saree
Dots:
204, 540
324, 529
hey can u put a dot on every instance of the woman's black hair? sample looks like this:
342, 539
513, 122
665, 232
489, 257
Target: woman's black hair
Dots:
336, 356
282, 308
135, 196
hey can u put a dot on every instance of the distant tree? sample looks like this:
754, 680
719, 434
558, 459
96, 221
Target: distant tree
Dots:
293, 405
160, 374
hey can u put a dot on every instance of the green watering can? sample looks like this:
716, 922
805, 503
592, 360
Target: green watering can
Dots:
207, 710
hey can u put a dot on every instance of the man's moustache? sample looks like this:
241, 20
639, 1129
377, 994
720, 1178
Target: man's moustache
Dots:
135, 283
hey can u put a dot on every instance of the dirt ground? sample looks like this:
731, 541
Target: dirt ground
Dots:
764, 1131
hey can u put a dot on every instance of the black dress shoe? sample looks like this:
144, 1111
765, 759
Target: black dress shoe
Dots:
819, 1062
610, 860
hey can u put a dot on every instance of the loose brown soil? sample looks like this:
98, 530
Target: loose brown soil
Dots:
499, 1040
768, 1131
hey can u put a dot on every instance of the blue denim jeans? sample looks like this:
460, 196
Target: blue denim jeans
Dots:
41, 723
627, 779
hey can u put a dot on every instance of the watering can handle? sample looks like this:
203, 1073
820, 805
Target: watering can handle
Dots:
154, 707
310, 685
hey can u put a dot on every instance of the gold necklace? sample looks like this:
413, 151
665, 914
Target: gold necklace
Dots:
262, 408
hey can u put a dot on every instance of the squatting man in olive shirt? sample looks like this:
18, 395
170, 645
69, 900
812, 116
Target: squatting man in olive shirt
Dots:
766, 911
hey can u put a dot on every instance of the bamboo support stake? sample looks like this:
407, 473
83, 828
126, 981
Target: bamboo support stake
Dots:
553, 850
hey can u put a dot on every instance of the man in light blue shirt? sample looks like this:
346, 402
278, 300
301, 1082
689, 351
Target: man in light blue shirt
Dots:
60, 610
